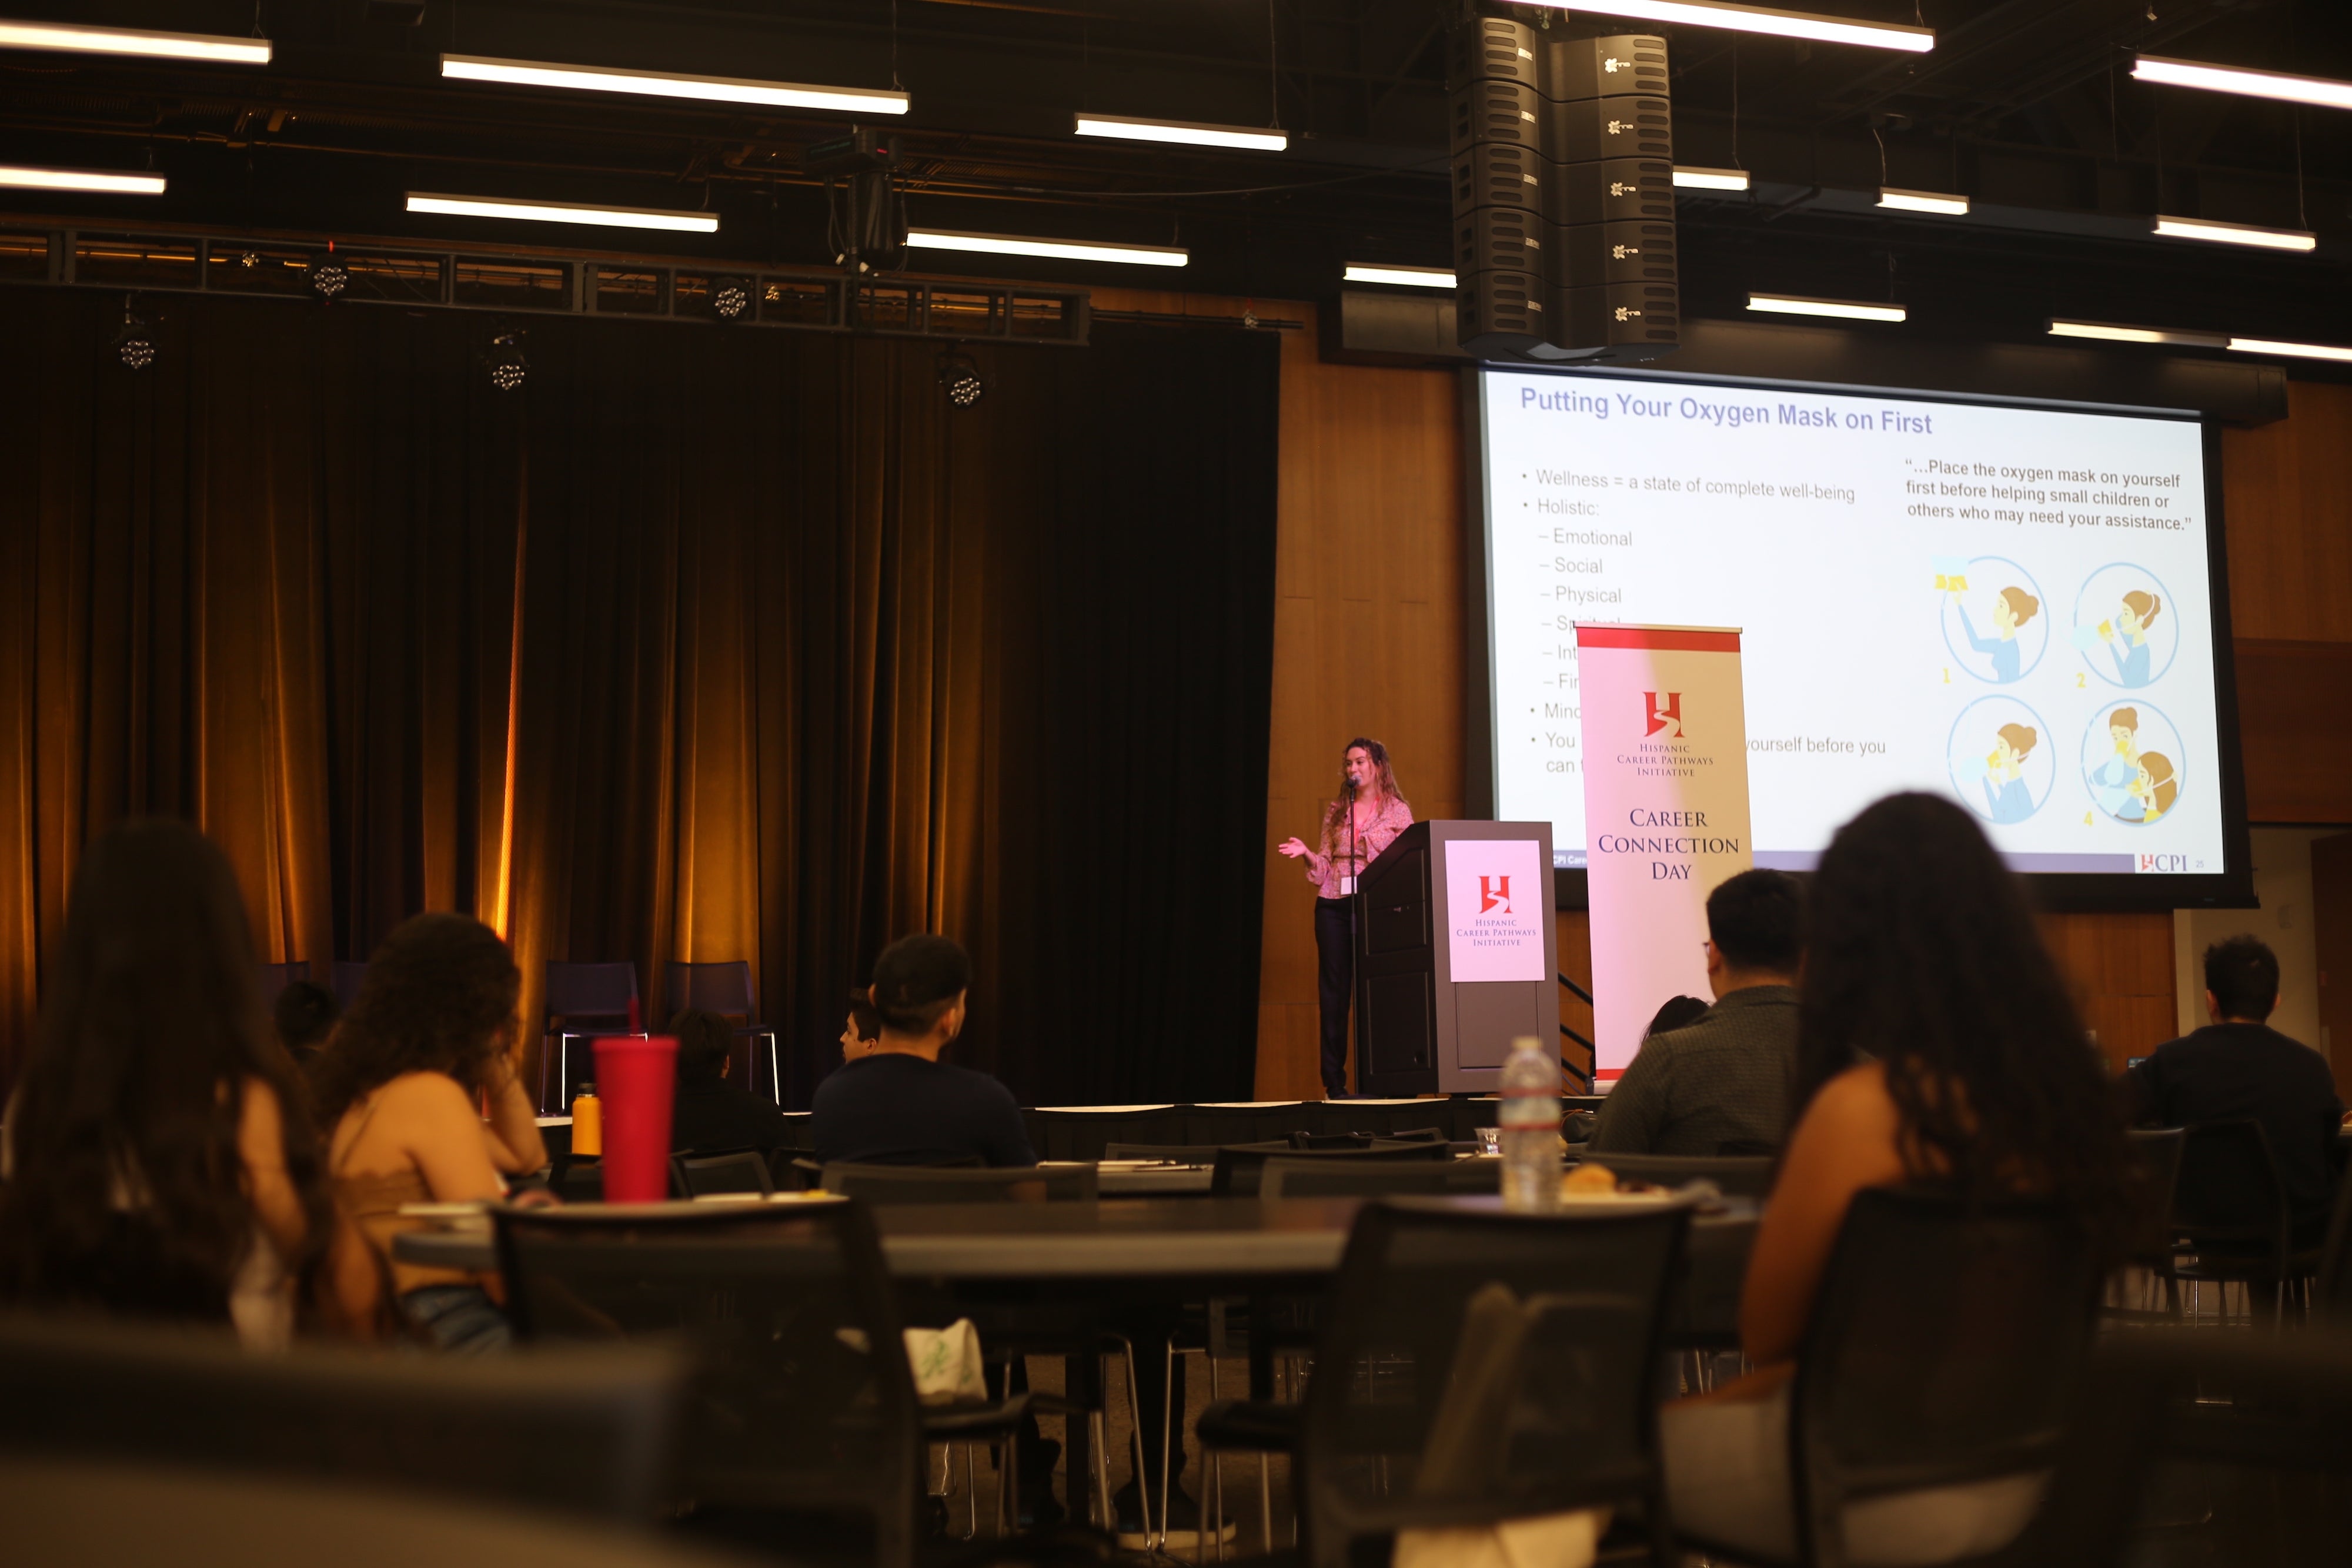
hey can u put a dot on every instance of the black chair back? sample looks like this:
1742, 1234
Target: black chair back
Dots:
1284, 1177
1477, 1365
585, 1431
724, 988
1319, 1143
2228, 1197
1240, 1165
2156, 1180
941, 1183
737, 1170
801, 1399
1734, 1176
1944, 1347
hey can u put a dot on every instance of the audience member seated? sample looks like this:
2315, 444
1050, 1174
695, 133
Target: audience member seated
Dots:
160, 1162
1720, 1083
862, 1031
305, 1014
1674, 1013
709, 1114
1937, 1045
2239, 1068
900, 1105
429, 1039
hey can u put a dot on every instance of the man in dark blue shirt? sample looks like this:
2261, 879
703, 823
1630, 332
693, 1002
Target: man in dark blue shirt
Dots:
2237, 1069
901, 1104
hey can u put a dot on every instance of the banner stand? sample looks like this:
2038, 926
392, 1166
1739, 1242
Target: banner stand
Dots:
1665, 813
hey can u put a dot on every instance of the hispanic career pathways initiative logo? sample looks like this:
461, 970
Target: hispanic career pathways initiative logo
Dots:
1494, 892
1665, 718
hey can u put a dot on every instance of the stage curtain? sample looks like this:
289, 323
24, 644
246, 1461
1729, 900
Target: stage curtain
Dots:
706, 644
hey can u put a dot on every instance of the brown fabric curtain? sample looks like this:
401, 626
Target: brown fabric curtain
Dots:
706, 645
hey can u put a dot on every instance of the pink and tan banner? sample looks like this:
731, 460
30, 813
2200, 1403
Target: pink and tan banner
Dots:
1665, 813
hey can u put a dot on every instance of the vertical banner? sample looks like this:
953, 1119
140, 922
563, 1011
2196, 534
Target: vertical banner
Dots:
1665, 812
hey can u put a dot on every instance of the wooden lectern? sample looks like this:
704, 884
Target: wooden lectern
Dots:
1419, 1030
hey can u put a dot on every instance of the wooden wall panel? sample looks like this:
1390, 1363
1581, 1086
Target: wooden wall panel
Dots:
2287, 505
2294, 729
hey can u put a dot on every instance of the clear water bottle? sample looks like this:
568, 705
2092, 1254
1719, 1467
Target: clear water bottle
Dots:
1530, 1124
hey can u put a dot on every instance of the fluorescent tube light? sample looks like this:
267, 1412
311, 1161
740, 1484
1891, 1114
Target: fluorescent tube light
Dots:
1053, 249
2299, 351
1798, 305
1923, 202
563, 213
1693, 179
1189, 133
18, 177
2108, 331
2237, 234
1759, 20
2321, 91
70, 37
1410, 277
662, 84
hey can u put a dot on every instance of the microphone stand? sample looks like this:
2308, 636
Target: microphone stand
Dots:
1355, 933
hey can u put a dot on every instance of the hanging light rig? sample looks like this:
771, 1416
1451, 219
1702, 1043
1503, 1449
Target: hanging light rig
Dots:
865, 222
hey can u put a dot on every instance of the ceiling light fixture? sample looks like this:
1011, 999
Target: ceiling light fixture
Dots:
1190, 133
1695, 179
1053, 249
2321, 91
662, 84
960, 378
2110, 332
1407, 276
16, 176
68, 38
2297, 351
1923, 202
2236, 234
1849, 310
563, 213
1759, 20
504, 360
134, 343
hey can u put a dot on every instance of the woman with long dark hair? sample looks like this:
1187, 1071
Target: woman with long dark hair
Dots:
1937, 1047
160, 1157
1363, 819
428, 1040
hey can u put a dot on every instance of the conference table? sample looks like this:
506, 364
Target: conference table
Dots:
1067, 1266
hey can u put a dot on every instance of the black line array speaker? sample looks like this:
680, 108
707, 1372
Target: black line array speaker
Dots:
1563, 194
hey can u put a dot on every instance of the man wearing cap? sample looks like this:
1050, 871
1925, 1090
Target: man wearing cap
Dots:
900, 1105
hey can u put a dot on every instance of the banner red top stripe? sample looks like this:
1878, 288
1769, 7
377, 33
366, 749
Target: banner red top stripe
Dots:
1658, 637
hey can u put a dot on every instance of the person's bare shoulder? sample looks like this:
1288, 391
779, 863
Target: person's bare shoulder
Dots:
426, 1095
1854, 1115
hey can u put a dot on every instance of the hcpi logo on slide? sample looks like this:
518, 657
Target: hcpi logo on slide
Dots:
1494, 892
1666, 716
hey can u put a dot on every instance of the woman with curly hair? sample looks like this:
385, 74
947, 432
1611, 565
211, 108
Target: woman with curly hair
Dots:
1937, 1047
429, 1039
159, 1160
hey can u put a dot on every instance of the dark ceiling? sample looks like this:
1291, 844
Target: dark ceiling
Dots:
2026, 105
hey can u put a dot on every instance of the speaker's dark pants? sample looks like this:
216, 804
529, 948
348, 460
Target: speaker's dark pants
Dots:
1335, 963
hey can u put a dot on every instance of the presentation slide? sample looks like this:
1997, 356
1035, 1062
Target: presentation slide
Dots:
2006, 605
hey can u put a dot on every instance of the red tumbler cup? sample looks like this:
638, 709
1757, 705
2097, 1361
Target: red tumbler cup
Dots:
637, 1078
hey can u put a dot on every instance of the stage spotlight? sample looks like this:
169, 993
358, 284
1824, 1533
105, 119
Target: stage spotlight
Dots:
134, 345
959, 378
506, 365
729, 297
328, 276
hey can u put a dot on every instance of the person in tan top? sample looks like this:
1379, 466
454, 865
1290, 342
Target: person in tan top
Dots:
1936, 1046
159, 1162
429, 1040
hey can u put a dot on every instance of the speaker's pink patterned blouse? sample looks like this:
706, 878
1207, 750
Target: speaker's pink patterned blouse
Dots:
1332, 862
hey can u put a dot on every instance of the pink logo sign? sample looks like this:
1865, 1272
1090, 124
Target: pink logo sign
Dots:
1666, 716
